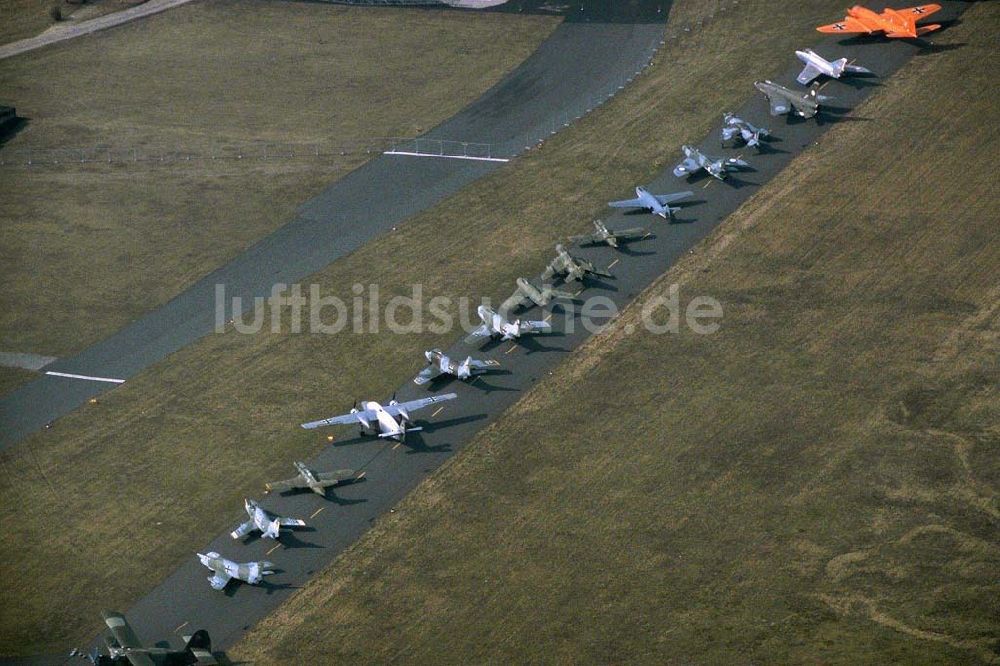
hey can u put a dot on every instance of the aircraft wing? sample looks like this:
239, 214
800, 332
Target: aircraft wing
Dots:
286, 485
427, 374
242, 530
219, 580
534, 326
921, 10
586, 238
688, 166
847, 26
344, 419
627, 203
779, 105
633, 232
807, 75
333, 478
482, 332
125, 637
414, 405
291, 522
517, 299
665, 199
483, 365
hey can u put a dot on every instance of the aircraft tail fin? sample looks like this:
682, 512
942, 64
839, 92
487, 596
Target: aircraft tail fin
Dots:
924, 29
199, 644
838, 65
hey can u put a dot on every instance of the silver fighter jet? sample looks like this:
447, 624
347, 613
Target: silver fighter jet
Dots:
717, 167
785, 100
604, 235
526, 293
224, 570
570, 268
817, 65
736, 129
657, 204
390, 421
496, 326
317, 482
261, 519
440, 364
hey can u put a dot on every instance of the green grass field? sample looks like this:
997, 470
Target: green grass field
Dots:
196, 403
85, 250
816, 483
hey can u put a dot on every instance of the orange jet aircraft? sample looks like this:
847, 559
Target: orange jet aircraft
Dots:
893, 22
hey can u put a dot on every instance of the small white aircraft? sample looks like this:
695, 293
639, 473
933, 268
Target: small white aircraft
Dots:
268, 523
657, 204
391, 421
817, 64
495, 326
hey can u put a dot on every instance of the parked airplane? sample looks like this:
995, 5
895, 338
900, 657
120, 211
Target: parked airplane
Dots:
570, 268
734, 127
122, 643
268, 523
654, 203
783, 100
900, 23
496, 326
817, 65
224, 570
717, 167
526, 293
317, 482
440, 364
391, 421
611, 238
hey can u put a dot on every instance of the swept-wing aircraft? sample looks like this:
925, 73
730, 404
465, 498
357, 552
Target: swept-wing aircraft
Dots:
268, 523
570, 268
657, 204
390, 421
815, 65
441, 364
224, 570
898, 23
604, 235
123, 645
526, 293
717, 167
317, 482
784, 100
735, 128
496, 326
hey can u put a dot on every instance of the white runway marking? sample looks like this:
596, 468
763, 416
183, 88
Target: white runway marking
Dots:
450, 157
70, 375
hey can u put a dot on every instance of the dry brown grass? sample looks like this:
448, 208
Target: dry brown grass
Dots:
84, 251
818, 482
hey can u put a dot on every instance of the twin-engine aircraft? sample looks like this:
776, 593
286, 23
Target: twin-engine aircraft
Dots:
390, 421
658, 204
897, 23
122, 643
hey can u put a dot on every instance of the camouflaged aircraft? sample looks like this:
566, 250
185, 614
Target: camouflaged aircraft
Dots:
526, 293
440, 364
717, 167
570, 268
785, 100
268, 523
735, 128
123, 645
224, 570
318, 482
608, 237
496, 326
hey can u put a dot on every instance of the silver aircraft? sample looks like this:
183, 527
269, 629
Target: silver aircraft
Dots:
268, 523
610, 238
657, 204
817, 65
496, 326
734, 127
390, 421
224, 570
570, 268
717, 167
440, 364
526, 293
785, 100
317, 482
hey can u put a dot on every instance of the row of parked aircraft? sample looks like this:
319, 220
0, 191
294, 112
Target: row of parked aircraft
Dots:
394, 421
